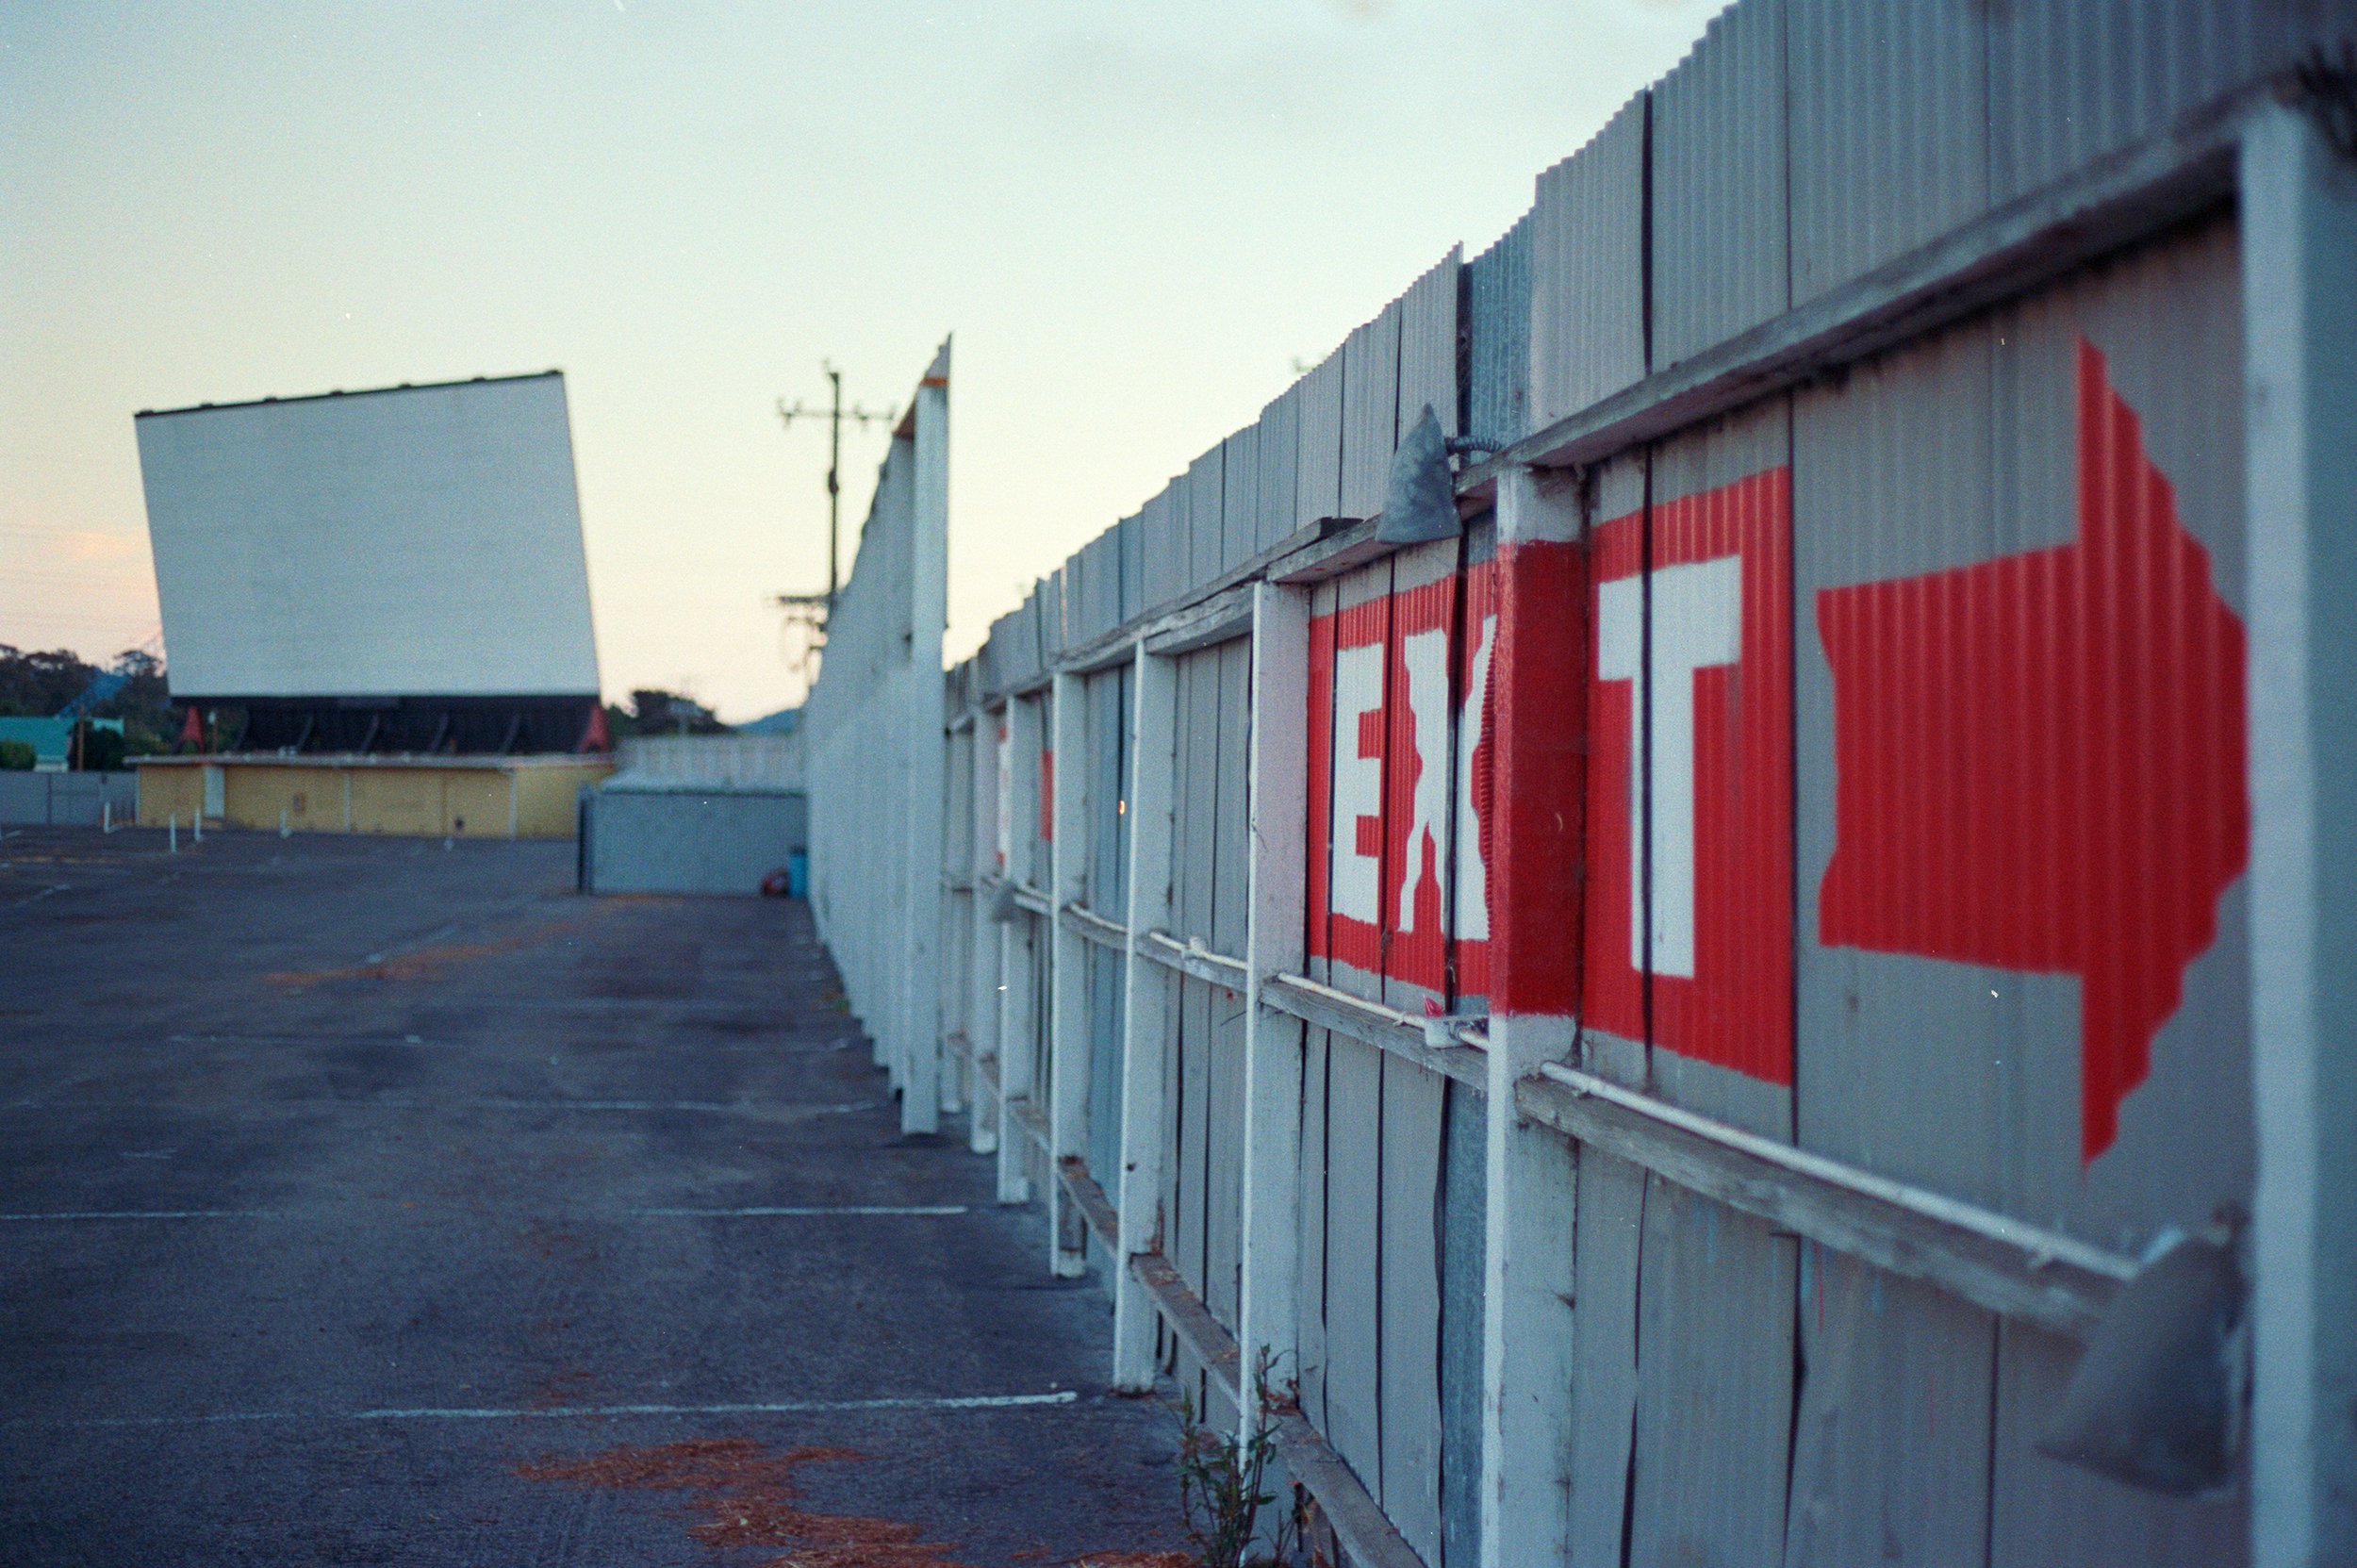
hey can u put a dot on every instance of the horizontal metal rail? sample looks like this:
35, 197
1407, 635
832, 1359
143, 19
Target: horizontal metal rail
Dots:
1384, 1028
1365, 1532
1090, 1200
1089, 926
2007, 1266
1030, 1117
1032, 898
1191, 1320
957, 1044
1192, 958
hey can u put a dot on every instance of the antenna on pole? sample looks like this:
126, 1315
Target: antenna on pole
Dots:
835, 414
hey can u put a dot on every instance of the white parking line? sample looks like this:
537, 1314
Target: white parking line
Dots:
774, 1111
807, 1210
779, 1210
140, 1214
774, 1407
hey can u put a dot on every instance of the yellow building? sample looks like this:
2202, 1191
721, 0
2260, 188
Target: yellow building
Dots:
430, 797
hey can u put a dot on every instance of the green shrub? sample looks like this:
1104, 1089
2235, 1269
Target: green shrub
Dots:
16, 756
102, 750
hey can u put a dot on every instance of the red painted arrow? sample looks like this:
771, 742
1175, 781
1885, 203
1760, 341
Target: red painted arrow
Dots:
2040, 759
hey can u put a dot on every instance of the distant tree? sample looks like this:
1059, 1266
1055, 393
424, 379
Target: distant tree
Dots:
656, 712
103, 751
37, 684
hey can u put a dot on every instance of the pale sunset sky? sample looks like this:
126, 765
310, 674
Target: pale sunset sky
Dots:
1135, 219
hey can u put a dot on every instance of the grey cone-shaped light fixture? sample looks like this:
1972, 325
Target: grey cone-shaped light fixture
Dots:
1420, 502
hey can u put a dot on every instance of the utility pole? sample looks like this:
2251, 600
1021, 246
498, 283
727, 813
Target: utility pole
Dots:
834, 415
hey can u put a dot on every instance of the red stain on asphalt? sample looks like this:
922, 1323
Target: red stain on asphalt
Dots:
741, 1496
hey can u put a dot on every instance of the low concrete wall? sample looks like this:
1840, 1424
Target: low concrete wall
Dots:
67, 799
760, 763
687, 841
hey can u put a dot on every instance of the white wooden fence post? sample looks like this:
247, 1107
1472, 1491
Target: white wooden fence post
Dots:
1018, 998
1279, 789
982, 1046
920, 857
1068, 1003
1526, 1341
2299, 233
1146, 1012
957, 990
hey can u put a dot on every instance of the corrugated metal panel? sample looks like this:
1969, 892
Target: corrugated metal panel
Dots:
2068, 596
1612, 995
1719, 699
1162, 550
1105, 588
1720, 259
1130, 540
1318, 457
1092, 575
2114, 526
1889, 128
1239, 498
1078, 610
1497, 337
1412, 1097
1276, 454
1429, 343
1693, 653
1026, 636
1206, 492
1370, 412
1880, 1031
1317, 890
1315, 1172
1714, 1385
1469, 857
1465, 1205
1061, 629
1196, 845
2071, 80
1890, 1445
1610, 1198
1587, 271
1354, 1263
1358, 843
1418, 750
994, 659
1230, 672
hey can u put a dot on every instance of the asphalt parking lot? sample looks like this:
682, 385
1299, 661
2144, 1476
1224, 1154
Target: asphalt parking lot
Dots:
369, 1202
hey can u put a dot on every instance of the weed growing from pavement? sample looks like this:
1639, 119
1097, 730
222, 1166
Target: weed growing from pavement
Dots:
1224, 1486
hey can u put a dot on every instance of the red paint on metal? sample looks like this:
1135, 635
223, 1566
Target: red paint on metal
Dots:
1353, 941
1417, 783
1736, 1007
1538, 681
1046, 797
2040, 759
1476, 686
1612, 993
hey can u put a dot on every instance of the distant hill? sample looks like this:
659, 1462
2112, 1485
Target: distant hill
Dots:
783, 723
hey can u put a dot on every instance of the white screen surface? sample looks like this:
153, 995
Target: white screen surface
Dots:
417, 542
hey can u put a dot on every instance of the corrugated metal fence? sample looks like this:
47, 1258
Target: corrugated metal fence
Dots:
1674, 1014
